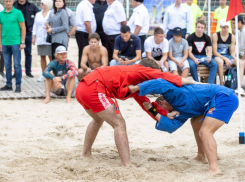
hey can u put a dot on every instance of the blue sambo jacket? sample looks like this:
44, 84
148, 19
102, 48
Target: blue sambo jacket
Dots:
189, 100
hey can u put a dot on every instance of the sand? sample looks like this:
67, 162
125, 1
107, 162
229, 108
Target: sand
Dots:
44, 143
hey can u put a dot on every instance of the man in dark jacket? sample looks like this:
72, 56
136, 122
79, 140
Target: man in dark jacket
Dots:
29, 11
100, 6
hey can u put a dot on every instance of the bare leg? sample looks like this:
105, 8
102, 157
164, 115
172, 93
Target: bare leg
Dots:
81, 73
220, 69
201, 156
120, 134
50, 58
69, 86
43, 62
242, 68
175, 72
48, 85
185, 73
209, 127
91, 133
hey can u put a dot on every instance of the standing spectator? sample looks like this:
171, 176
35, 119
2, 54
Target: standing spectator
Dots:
224, 44
113, 20
100, 6
178, 53
1, 54
39, 34
127, 49
177, 15
221, 13
12, 20
196, 12
72, 22
58, 25
86, 24
156, 48
29, 11
139, 21
198, 43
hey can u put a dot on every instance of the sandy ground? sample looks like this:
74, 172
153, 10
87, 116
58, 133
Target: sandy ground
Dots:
44, 142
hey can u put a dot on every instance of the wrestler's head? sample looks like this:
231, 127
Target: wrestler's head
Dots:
125, 33
146, 62
94, 40
164, 104
158, 35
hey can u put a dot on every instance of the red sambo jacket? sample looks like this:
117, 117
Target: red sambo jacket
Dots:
114, 81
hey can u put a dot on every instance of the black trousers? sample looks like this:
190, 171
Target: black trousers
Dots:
142, 39
54, 46
82, 41
1, 62
110, 46
103, 38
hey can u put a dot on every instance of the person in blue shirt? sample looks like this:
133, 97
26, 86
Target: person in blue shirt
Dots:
62, 81
127, 48
212, 104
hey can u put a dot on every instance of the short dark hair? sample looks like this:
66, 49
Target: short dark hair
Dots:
55, 9
125, 29
94, 36
201, 22
161, 98
158, 31
239, 18
146, 62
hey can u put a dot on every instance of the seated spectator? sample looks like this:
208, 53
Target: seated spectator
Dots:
62, 81
178, 53
198, 43
156, 48
127, 48
93, 54
224, 50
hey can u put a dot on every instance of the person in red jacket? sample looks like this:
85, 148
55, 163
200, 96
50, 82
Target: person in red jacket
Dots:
96, 90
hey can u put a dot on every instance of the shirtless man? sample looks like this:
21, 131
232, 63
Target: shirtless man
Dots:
93, 54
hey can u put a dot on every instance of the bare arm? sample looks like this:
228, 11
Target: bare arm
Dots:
1, 49
88, 26
137, 58
104, 57
215, 46
170, 54
232, 47
192, 56
186, 53
23, 34
115, 55
137, 30
148, 55
202, 17
72, 31
124, 23
164, 57
47, 25
84, 59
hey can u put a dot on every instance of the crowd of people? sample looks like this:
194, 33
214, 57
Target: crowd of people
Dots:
179, 46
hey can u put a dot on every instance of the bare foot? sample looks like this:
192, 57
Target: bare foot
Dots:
68, 100
46, 100
201, 158
87, 156
215, 172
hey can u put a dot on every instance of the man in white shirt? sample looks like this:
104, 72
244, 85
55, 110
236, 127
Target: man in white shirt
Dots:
139, 21
86, 24
114, 18
156, 48
178, 15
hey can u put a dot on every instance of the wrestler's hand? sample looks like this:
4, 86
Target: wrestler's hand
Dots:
133, 88
172, 114
147, 105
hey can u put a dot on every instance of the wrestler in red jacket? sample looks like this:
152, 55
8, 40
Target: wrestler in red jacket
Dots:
95, 91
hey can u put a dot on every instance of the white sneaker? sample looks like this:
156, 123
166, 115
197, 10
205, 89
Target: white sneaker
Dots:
242, 91
41, 79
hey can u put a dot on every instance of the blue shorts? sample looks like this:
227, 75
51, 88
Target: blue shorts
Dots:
225, 107
225, 55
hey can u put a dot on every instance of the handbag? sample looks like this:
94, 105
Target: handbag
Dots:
49, 38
